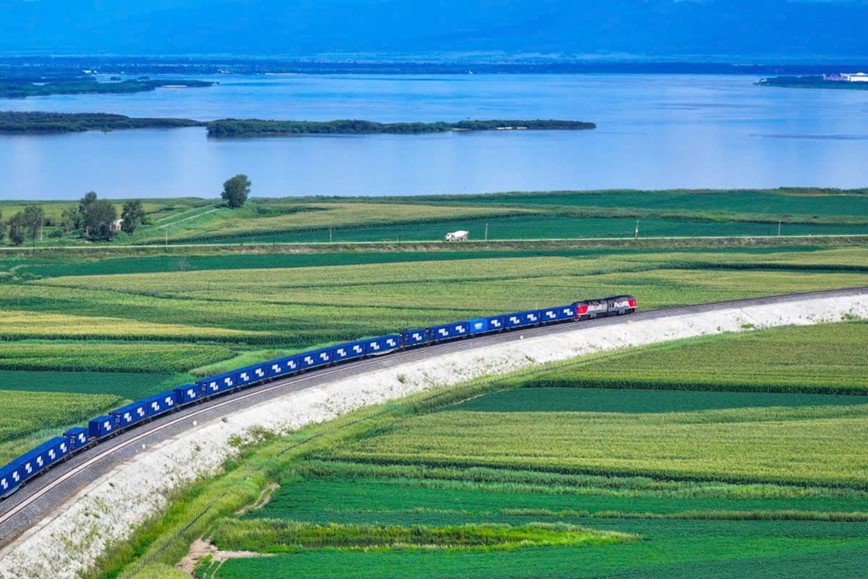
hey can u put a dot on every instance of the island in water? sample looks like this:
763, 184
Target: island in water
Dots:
29, 87
234, 128
847, 81
37, 123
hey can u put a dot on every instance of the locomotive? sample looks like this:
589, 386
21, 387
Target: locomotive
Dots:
36, 461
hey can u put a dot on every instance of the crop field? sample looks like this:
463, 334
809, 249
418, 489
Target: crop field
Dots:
154, 321
596, 479
25, 416
515, 216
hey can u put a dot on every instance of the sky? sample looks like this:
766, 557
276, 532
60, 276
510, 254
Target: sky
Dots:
759, 31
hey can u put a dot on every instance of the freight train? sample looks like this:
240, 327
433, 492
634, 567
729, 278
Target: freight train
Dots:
80, 438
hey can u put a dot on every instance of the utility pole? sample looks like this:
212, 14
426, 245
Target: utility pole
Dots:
637, 230
779, 227
486, 232
330, 234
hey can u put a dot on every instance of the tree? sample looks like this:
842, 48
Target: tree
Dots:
33, 218
88, 198
17, 229
236, 190
133, 215
70, 219
99, 216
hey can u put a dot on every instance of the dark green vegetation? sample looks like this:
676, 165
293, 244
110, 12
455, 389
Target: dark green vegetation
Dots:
39, 123
811, 82
258, 128
149, 321
28, 87
653, 482
503, 217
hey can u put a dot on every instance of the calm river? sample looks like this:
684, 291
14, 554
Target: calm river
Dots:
654, 132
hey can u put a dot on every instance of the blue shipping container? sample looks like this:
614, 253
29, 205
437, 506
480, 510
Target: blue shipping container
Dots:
76, 437
101, 426
283, 366
315, 358
382, 344
253, 374
521, 319
496, 323
449, 331
188, 393
478, 326
10, 479
35, 461
558, 313
414, 337
160, 403
130, 414
350, 350
216, 384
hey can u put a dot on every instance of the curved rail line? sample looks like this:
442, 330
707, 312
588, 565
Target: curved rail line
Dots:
233, 399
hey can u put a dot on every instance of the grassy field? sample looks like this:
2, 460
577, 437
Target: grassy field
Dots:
597, 478
114, 322
155, 319
570, 214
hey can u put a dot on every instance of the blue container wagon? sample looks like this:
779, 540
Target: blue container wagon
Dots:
76, 437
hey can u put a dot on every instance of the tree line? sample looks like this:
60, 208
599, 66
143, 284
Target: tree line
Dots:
227, 128
94, 219
13, 122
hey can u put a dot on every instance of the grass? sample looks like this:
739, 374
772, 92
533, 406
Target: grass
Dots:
127, 385
827, 358
533, 215
121, 357
24, 414
712, 483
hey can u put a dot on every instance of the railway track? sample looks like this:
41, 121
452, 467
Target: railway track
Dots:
45, 494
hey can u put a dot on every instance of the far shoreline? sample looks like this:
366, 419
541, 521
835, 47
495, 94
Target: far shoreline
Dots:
41, 123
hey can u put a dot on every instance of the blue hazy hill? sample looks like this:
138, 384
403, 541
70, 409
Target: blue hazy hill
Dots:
751, 30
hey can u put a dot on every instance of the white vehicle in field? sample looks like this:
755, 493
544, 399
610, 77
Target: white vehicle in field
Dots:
457, 236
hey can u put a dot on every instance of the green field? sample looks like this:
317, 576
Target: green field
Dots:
724, 478
752, 439
509, 216
157, 319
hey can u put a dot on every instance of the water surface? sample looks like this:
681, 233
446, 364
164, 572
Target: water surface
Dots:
654, 132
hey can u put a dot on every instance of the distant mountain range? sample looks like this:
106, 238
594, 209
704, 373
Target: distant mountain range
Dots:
759, 31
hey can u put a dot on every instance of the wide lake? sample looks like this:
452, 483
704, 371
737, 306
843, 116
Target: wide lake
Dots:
654, 132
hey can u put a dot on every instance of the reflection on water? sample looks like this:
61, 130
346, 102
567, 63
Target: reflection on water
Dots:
655, 132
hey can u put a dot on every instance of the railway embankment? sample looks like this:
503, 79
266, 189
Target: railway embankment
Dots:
108, 510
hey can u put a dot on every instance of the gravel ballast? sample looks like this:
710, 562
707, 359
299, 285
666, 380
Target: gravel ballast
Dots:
110, 509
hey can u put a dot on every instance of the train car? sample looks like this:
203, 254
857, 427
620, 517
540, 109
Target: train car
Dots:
214, 385
188, 393
160, 403
35, 461
101, 426
316, 358
413, 338
382, 344
521, 319
478, 326
132, 413
253, 373
558, 314
450, 331
284, 366
621, 305
590, 309
10, 479
77, 437
350, 350
496, 323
